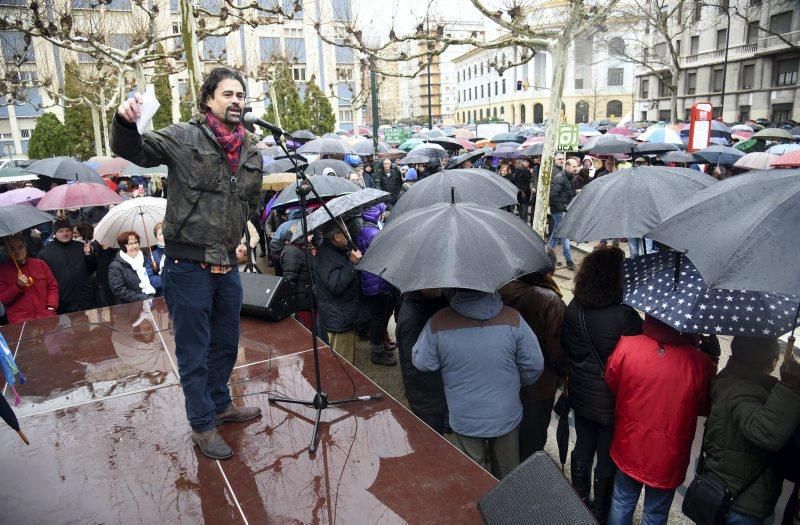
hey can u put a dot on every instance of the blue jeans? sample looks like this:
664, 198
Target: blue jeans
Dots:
626, 493
735, 518
205, 321
635, 246
557, 216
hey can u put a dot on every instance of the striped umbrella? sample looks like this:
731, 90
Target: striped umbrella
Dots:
661, 134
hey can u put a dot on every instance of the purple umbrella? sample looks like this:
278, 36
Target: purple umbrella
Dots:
29, 196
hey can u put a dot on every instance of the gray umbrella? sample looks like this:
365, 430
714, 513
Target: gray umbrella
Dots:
18, 217
409, 160
456, 162
533, 150
474, 185
339, 167
720, 155
302, 135
741, 233
65, 168
325, 185
326, 146
609, 145
630, 202
365, 148
282, 166
455, 246
681, 157
650, 148
351, 203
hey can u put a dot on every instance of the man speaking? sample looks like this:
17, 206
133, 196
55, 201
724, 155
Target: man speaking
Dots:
214, 178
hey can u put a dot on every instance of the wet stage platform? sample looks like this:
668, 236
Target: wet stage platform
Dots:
103, 410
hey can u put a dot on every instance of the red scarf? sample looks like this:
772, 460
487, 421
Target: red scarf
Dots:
231, 141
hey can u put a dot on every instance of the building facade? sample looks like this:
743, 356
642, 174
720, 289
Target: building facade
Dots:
247, 49
760, 79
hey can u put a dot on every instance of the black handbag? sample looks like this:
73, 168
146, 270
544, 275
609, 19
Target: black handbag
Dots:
708, 500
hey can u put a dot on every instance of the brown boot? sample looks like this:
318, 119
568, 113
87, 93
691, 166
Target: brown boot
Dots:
234, 414
211, 444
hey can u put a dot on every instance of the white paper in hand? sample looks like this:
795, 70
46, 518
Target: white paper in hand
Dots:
148, 108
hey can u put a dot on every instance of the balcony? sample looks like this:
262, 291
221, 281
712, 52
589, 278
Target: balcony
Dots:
764, 46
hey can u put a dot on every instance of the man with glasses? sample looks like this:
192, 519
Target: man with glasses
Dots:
561, 194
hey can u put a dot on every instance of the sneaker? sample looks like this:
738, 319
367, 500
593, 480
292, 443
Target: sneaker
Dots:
234, 414
211, 444
383, 358
570, 265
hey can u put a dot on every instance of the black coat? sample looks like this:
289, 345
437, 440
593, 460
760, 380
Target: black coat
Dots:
561, 192
293, 261
522, 180
424, 390
337, 289
390, 182
591, 398
124, 282
72, 270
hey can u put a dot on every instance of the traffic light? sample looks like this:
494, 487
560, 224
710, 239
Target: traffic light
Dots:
519, 85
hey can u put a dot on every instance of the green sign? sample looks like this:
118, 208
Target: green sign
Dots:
567, 137
396, 136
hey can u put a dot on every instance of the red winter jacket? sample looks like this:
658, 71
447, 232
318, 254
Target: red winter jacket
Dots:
32, 302
662, 384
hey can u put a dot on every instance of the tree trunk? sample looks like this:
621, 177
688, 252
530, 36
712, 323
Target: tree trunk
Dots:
98, 137
104, 121
191, 49
559, 52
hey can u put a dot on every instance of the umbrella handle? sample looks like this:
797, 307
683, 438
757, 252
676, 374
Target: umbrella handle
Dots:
23, 437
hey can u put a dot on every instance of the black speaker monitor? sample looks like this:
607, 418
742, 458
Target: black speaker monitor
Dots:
267, 296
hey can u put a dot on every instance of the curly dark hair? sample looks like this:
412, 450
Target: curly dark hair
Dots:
598, 282
212, 80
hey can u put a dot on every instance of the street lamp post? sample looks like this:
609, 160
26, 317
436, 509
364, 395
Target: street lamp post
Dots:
725, 60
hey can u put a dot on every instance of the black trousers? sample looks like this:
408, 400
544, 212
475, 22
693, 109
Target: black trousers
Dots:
594, 439
533, 428
379, 309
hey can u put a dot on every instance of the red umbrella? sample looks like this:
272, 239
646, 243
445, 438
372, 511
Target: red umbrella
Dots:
110, 183
625, 132
114, 166
78, 195
360, 131
788, 160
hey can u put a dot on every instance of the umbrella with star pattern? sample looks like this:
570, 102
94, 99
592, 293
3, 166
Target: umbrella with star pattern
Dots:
680, 298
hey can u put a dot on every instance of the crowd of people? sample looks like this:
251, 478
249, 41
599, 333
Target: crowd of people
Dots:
486, 367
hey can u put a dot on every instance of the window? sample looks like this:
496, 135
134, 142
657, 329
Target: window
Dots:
613, 109
664, 115
495, 88
752, 32
269, 48
694, 45
299, 72
722, 34
678, 48
748, 76
341, 11
716, 79
616, 76
344, 73
664, 89
15, 49
481, 91
578, 83
293, 32
616, 46
25, 133
296, 50
469, 73
481, 68
489, 89
787, 72
644, 88
698, 6
716, 112
660, 50
781, 23
781, 112
480, 114
345, 115
214, 48
691, 82
504, 86
744, 113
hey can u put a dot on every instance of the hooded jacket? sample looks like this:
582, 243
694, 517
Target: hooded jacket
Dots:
371, 284
486, 353
336, 288
293, 261
661, 380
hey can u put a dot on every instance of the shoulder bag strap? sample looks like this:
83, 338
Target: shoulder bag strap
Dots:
595, 354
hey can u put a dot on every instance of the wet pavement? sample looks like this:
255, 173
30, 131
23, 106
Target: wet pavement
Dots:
104, 413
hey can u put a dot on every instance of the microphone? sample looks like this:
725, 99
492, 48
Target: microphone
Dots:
251, 118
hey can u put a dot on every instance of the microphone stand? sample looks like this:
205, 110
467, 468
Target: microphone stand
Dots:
320, 401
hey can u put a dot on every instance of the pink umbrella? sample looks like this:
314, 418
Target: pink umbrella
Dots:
467, 145
29, 196
625, 132
742, 135
360, 131
533, 140
788, 160
114, 166
78, 195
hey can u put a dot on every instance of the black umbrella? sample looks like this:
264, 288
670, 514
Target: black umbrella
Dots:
413, 159
629, 202
680, 157
455, 162
447, 143
340, 168
351, 203
667, 286
534, 150
65, 168
455, 246
282, 166
609, 144
326, 146
365, 148
18, 217
508, 137
741, 233
325, 185
475, 185
11, 419
650, 148
303, 135
562, 408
